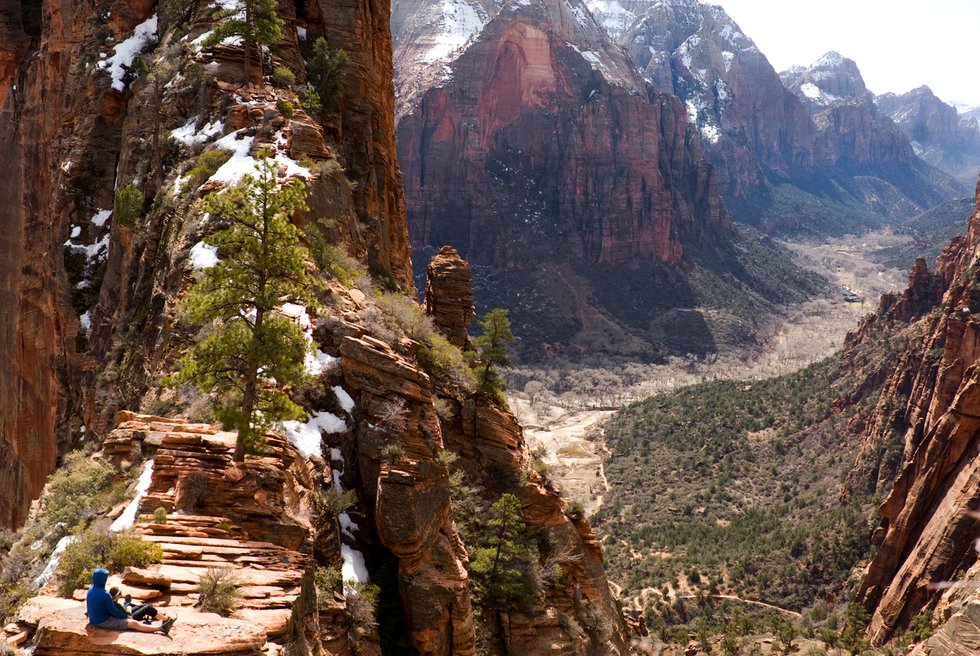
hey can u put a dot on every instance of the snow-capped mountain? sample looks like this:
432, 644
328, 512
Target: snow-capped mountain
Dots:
830, 80
939, 132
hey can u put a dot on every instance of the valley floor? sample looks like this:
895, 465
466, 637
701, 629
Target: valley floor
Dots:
562, 407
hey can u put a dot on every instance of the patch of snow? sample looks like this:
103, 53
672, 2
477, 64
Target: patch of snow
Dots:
75, 232
319, 362
85, 320
92, 251
49, 569
346, 402
306, 437
128, 517
811, 90
203, 256
126, 52
242, 163
728, 56
100, 218
336, 455
189, 136
353, 568
301, 33
460, 22
710, 133
611, 15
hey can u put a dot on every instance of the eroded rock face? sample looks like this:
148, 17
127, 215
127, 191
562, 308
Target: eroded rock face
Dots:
615, 178
928, 527
77, 287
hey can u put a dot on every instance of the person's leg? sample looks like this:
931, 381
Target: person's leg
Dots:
133, 625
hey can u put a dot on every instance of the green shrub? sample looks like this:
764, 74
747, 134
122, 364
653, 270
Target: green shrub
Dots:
445, 363
218, 591
332, 260
98, 547
79, 490
160, 516
325, 70
309, 100
128, 205
206, 165
327, 581
285, 108
282, 77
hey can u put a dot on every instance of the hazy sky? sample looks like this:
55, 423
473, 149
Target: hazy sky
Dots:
898, 44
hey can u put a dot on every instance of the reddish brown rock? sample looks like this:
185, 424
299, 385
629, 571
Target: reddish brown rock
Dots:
617, 178
928, 526
449, 295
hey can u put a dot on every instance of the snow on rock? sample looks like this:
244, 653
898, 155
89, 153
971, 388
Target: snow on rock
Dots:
306, 437
128, 517
242, 163
85, 320
460, 22
49, 569
301, 33
92, 251
100, 218
189, 136
203, 256
353, 569
126, 52
346, 402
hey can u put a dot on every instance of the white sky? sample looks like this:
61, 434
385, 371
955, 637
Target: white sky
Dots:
897, 44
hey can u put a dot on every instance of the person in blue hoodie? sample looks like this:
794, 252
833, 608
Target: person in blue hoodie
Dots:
104, 614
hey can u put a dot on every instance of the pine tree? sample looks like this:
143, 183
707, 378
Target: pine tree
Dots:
491, 352
251, 352
256, 22
324, 70
499, 566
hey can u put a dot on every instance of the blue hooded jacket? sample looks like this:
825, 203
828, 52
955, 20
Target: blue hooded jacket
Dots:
98, 601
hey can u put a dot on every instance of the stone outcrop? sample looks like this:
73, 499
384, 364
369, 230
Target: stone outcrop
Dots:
252, 519
449, 295
928, 527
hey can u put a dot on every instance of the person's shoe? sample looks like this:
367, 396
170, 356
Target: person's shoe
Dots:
165, 627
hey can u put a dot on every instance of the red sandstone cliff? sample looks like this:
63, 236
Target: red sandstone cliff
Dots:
543, 144
73, 309
931, 402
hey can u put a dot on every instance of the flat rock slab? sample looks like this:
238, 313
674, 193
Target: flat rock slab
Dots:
194, 633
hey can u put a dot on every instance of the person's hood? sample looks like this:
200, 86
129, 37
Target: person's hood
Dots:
99, 577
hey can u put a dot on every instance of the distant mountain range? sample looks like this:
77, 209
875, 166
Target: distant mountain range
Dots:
609, 138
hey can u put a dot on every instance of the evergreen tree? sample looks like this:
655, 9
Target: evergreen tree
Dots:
251, 352
324, 70
499, 566
256, 22
491, 352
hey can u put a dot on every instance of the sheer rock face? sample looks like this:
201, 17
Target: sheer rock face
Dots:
545, 145
928, 527
449, 295
67, 137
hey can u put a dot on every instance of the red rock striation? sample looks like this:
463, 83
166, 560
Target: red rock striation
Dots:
617, 177
928, 526
67, 137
